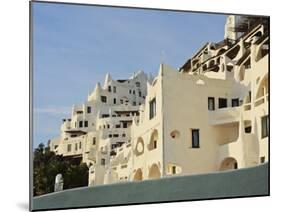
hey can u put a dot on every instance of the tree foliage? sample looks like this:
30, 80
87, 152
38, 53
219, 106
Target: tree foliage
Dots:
46, 165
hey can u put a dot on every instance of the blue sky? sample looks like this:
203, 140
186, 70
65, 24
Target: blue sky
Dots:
74, 46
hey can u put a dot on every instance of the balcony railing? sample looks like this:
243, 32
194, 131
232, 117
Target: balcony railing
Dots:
224, 115
261, 100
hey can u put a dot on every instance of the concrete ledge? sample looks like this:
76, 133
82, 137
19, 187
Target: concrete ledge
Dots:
243, 182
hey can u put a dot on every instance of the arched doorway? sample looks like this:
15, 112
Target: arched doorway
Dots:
138, 175
229, 164
154, 172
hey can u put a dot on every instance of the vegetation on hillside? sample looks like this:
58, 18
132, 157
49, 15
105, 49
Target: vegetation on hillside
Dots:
46, 165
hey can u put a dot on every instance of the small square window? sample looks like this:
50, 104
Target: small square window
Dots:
103, 99
222, 102
235, 102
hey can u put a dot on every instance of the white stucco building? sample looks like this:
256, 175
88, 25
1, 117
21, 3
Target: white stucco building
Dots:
209, 115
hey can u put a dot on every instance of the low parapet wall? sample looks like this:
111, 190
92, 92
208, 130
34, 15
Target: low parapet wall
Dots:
243, 182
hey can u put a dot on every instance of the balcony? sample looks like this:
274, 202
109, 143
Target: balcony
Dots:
261, 100
224, 115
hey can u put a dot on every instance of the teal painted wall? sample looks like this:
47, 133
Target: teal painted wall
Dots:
242, 182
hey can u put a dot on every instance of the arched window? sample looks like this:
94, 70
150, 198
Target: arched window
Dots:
154, 172
138, 175
153, 140
228, 164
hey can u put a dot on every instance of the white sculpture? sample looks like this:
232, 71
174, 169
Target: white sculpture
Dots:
58, 183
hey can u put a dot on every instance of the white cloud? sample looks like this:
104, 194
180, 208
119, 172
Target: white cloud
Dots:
59, 110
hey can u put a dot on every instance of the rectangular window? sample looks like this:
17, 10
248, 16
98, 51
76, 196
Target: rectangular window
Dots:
248, 129
69, 147
110, 135
114, 101
195, 138
211, 103
105, 115
85, 123
235, 102
262, 159
76, 147
125, 125
174, 169
123, 135
108, 126
94, 140
134, 103
114, 89
264, 126
109, 88
155, 144
103, 99
134, 92
139, 93
80, 124
222, 102
80, 145
102, 162
152, 108
115, 135
89, 109
130, 91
